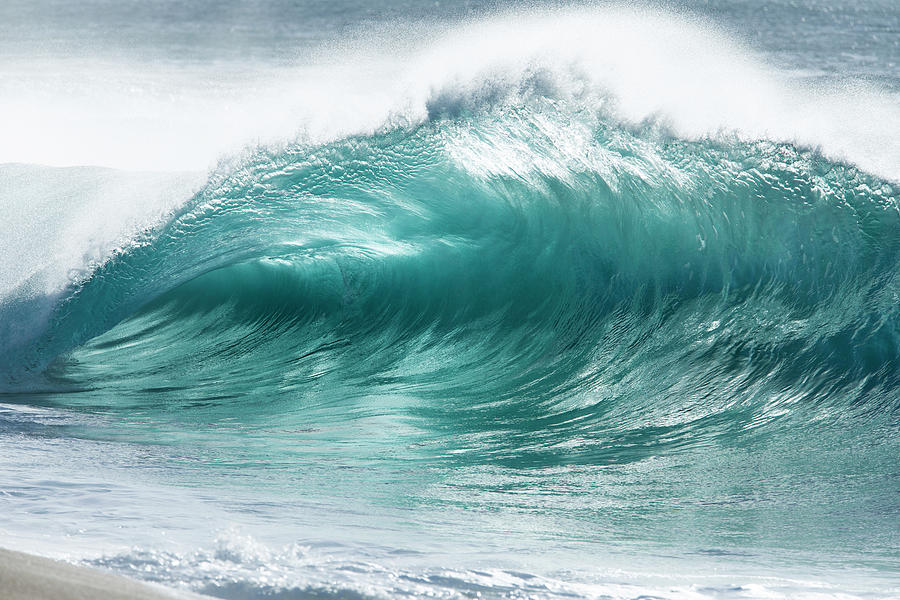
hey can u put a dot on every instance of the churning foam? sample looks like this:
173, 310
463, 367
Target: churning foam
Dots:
639, 64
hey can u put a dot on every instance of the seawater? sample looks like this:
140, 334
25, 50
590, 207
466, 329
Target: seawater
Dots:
458, 300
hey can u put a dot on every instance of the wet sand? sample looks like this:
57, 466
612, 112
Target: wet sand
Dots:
28, 577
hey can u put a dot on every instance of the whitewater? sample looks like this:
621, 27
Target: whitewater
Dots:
461, 301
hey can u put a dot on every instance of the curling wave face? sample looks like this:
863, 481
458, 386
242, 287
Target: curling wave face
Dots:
526, 265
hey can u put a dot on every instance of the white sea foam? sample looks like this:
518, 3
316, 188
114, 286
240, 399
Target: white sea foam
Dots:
60, 221
240, 566
639, 63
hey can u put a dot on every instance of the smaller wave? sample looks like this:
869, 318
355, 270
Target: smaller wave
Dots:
241, 567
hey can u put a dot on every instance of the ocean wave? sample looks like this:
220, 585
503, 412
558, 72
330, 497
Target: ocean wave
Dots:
532, 268
582, 302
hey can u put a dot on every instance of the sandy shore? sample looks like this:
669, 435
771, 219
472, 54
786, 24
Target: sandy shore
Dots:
28, 577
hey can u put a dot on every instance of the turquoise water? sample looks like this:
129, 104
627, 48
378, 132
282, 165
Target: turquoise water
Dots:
570, 302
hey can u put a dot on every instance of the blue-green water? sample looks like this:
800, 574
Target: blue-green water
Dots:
478, 301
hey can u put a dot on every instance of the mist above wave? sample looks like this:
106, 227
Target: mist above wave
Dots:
636, 64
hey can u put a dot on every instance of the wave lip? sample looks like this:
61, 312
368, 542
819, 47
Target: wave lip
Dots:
642, 64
